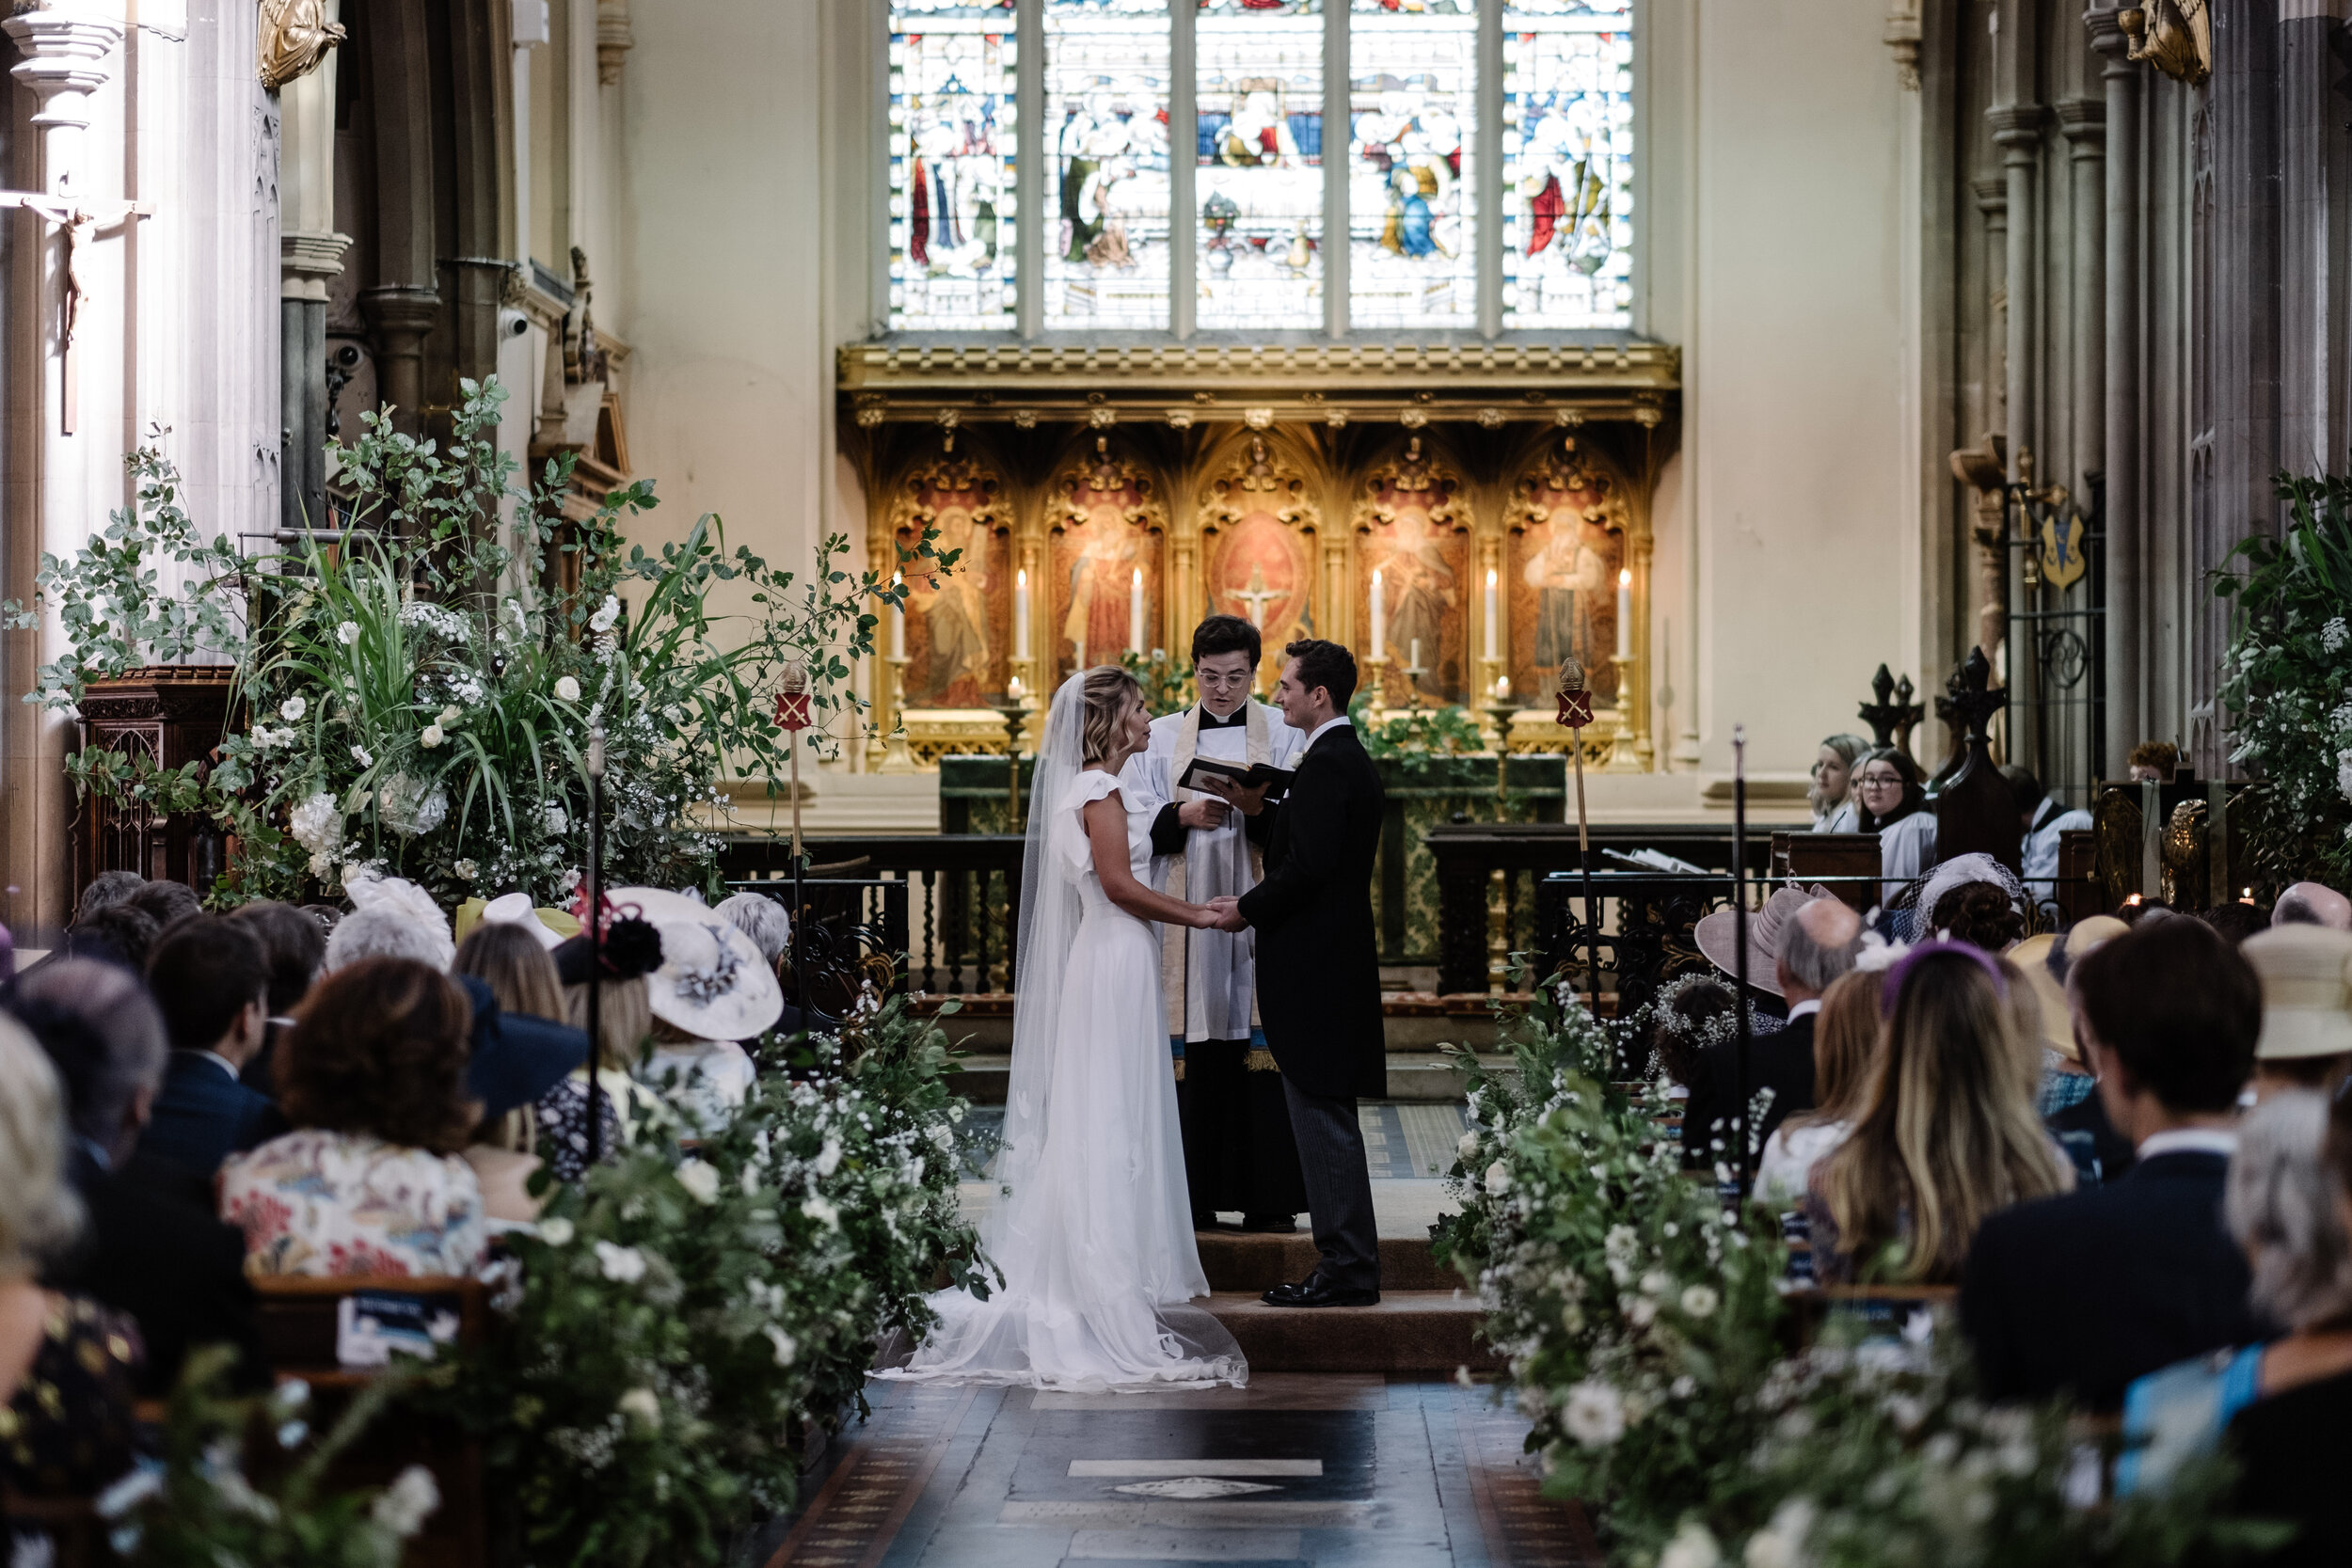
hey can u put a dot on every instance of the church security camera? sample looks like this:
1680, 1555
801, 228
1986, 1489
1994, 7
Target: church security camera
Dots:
513, 323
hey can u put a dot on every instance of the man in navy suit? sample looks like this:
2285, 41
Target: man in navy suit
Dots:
2087, 1291
211, 979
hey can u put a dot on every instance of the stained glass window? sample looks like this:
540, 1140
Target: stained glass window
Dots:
1567, 162
1259, 124
952, 204
1107, 122
1412, 188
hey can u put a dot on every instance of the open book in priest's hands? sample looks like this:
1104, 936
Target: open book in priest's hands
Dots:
1239, 775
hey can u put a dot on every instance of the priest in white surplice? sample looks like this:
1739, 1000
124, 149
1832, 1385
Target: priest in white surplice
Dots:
1240, 1156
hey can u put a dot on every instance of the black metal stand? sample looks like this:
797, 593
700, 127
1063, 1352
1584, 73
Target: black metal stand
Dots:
1741, 1158
596, 948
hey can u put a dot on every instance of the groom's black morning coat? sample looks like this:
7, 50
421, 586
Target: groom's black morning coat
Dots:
1318, 960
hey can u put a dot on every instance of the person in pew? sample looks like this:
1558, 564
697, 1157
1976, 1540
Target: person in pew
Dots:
2237, 920
1805, 944
390, 918
152, 1247
2305, 975
2041, 821
2082, 1294
767, 923
633, 950
372, 1182
2312, 904
2284, 1210
294, 946
1892, 804
211, 979
2068, 1102
166, 902
508, 959
1946, 1135
1846, 1039
1831, 793
114, 934
67, 1363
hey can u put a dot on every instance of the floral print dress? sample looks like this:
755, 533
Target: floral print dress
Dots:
322, 1203
67, 1432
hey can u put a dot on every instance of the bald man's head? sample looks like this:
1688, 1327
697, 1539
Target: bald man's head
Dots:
2312, 904
1817, 947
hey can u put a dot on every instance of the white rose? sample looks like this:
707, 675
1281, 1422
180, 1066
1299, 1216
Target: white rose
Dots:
432, 737
451, 714
1656, 1283
348, 633
822, 1212
567, 689
555, 1232
642, 1403
466, 869
604, 619
402, 1507
1594, 1413
700, 1180
1498, 1178
554, 819
623, 1265
943, 1135
1700, 1300
1694, 1547
290, 711
786, 1347
1467, 1147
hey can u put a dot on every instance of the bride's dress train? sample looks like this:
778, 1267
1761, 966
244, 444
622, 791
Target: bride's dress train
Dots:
1091, 1224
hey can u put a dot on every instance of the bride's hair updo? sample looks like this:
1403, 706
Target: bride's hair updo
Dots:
1107, 688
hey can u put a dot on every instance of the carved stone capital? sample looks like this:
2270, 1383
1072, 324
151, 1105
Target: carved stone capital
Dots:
397, 308
1902, 40
2017, 127
614, 39
311, 255
65, 45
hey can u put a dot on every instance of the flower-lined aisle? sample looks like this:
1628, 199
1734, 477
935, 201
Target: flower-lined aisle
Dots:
1651, 1342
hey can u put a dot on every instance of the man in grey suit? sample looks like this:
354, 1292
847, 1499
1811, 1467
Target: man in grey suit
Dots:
1318, 965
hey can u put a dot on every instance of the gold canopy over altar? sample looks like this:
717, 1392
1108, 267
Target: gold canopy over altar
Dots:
1463, 517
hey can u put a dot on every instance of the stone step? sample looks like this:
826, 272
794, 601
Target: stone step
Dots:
1409, 1331
1254, 1264
1413, 1075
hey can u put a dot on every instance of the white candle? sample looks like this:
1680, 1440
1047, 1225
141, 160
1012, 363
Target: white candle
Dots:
1134, 614
1491, 617
1625, 614
1414, 662
1021, 613
1379, 620
897, 621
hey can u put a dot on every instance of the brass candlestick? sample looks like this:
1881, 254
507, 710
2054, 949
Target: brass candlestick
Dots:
1015, 716
896, 758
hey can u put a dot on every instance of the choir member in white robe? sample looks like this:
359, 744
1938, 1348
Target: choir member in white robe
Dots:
1894, 806
1240, 1155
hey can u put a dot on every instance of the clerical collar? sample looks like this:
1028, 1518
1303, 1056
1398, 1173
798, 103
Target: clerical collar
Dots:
1239, 718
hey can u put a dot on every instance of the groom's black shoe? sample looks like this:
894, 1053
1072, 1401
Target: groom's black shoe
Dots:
1315, 1290
1203, 1220
1270, 1225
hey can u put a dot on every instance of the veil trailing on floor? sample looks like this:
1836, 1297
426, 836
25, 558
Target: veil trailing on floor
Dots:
1090, 1222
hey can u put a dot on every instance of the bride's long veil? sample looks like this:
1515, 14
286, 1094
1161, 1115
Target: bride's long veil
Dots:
1049, 915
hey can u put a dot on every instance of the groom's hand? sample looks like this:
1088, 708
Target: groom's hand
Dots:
1250, 802
1228, 912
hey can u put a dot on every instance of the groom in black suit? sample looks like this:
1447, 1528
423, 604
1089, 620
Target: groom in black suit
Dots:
1318, 967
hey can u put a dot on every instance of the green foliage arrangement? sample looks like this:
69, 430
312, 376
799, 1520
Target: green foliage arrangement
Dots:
1649, 1341
683, 1316
2287, 681
1167, 680
197, 1507
416, 695
1417, 738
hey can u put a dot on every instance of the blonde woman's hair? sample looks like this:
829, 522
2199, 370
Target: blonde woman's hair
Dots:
1947, 1133
624, 1019
1108, 690
1846, 1039
511, 962
38, 1209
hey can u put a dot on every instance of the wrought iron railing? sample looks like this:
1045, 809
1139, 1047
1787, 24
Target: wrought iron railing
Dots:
958, 898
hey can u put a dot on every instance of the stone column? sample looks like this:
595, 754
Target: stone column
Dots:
2127, 503
68, 48
402, 314
2017, 132
2083, 123
1993, 202
311, 252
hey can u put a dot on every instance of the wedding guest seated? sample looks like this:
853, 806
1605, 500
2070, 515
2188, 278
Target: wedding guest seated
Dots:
1690, 1013
2284, 1213
211, 979
2042, 820
1845, 1050
2305, 975
1831, 794
509, 960
152, 1246
711, 994
2153, 762
2312, 904
1806, 950
2068, 1102
633, 950
67, 1363
165, 902
2237, 920
1891, 802
760, 918
391, 918
115, 934
2082, 1294
1972, 898
371, 1180
294, 945
1946, 1134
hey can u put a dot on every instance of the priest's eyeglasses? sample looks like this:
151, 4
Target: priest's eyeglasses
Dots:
1224, 681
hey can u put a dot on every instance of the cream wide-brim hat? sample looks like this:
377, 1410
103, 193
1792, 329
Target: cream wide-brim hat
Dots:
712, 983
2032, 959
1718, 941
2306, 974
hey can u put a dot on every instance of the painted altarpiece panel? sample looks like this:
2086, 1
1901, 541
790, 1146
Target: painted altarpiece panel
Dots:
959, 621
1106, 526
1567, 535
1414, 529
1258, 528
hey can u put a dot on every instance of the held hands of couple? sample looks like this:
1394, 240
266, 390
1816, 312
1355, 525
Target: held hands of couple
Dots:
1250, 802
1220, 914
1203, 813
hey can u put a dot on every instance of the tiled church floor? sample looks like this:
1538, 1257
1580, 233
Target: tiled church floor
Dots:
1296, 1469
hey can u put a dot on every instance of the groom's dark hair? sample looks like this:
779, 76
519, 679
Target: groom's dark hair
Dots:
1226, 634
1327, 665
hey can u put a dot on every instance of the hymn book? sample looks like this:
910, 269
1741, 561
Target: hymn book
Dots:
1241, 775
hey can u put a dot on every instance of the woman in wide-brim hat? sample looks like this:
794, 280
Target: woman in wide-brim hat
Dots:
712, 992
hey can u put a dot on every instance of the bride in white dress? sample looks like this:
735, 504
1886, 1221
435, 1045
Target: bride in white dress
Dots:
1093, 1224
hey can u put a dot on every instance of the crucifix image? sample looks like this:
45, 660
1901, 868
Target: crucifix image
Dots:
1256, 596
79, 222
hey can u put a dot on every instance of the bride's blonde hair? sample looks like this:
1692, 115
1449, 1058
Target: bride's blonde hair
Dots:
1108, 690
